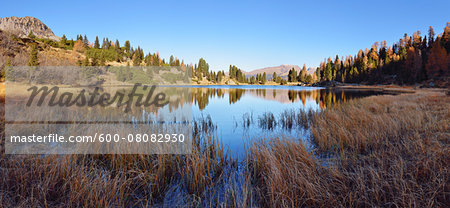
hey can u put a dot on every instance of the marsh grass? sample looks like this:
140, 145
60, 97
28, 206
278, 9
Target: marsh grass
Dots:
247, 120
383, 151
206, 177
388, 151
288, 119
267, 121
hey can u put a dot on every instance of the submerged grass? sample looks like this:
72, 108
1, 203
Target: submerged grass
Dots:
388, 151
267, 121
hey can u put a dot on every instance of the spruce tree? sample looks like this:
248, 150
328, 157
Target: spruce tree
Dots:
63, 40
308, 78
292, 77
85, 40
96, 43
117, 45
328, 74
33, 60
127, 46
430, 36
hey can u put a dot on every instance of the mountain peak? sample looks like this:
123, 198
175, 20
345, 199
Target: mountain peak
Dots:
22, 26
281, 70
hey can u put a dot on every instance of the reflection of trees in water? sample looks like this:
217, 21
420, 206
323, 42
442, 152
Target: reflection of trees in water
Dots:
178, 96
200, 96
260, 92
292, 94
325, 98
235, 95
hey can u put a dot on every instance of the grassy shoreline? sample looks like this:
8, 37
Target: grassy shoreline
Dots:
383, 151
380, 151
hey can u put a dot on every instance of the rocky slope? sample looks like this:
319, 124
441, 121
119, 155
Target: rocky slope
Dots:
22, 26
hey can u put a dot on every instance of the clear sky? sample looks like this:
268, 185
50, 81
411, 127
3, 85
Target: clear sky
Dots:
248, 34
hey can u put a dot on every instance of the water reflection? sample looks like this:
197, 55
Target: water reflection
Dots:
248, 112
324, 98
202, 96
237, 112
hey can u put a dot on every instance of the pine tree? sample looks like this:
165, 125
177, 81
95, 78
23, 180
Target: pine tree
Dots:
437, 64
137, 57
302, 75
445, 40
117, 45
309, 78
430, 36
292, 76
33, 60
85, 40
171, 60
328, 76
202, 68
127, 46
319, 78
63, 40
96, 43
219, 77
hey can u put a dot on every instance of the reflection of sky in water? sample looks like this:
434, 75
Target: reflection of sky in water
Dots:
182, 113
229, 118
227, 106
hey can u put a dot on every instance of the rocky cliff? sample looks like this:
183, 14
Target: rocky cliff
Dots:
22, 26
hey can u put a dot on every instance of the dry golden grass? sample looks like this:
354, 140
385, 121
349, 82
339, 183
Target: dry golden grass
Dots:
383, 151
108, 180
386, 151
121, 180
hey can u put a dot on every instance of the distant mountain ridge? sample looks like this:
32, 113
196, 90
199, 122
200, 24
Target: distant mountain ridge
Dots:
282, 70
22, 26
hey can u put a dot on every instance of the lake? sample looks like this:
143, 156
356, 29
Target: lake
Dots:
233, 114
237, 112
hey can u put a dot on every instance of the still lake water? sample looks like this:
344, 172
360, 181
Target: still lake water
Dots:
232, 108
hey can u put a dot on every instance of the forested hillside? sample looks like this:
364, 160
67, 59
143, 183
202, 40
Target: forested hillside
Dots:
411, 60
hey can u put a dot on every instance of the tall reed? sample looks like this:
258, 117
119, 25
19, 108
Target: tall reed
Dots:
386, 151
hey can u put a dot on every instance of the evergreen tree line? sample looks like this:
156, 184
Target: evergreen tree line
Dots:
99, 54
412, 59
238, 75
303, 76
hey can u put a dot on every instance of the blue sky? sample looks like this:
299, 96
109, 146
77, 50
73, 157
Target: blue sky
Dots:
248, 34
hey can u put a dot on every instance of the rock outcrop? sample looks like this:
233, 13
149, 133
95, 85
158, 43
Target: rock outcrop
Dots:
22, 26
